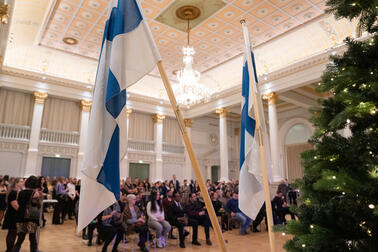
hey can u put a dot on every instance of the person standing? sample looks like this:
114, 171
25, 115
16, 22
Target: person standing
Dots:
175, 182
71, 195
60, 194
10, 215
28, 199
3, 194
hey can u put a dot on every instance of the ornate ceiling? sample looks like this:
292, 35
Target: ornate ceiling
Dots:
216, 39
283, 32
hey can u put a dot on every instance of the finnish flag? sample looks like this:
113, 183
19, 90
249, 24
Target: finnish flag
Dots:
251, 190
128, 53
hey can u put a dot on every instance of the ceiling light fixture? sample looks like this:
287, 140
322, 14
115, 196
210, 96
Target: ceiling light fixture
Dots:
70, 41
4, 9
189, 91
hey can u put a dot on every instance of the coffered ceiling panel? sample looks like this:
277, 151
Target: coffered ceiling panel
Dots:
76, 26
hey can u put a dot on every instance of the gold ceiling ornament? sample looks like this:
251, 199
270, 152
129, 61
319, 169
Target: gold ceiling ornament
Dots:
188, 123
4, 12
40, 97
85, 105
188, 12
189, 91
222, 112
272, 97
70, 41
158, 118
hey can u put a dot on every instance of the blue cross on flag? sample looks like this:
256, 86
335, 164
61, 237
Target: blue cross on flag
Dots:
128, 53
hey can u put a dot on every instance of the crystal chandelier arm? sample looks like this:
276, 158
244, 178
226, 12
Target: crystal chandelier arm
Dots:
188, 32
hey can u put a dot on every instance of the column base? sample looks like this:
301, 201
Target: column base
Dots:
158, 173
124, 168
80, 164
31, 163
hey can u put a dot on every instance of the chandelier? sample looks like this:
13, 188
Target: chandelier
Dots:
189, 91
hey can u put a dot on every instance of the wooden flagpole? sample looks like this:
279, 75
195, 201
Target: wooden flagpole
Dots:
193, 159
268, 204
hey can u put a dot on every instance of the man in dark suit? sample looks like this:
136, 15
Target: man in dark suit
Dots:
196, 211
177, 217
175, 182
281, 208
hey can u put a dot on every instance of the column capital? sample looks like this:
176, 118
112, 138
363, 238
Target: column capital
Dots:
129, 111
222, 112
158, 118
40, 97
237, 131
85, 105
271, 97
188, 123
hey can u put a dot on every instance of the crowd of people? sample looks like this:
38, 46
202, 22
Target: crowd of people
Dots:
150, 210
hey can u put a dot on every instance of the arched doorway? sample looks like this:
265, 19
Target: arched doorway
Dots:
296, 142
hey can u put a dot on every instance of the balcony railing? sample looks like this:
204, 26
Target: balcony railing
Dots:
173, 148
138, 145
17, 132
61, 137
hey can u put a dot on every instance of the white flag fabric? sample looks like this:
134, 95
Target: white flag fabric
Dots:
251, 190
128, 53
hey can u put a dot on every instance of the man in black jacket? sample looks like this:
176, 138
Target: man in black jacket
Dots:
281, 208
196, 211
175, 182
177, 217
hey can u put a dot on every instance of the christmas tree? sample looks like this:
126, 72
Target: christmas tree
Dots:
339, 189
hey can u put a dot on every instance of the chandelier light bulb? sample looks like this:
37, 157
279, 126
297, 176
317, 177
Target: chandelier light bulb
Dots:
188, 90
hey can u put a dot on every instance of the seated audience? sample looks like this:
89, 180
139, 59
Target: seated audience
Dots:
111, 226
135, 221
177, 217
196, 211
219, 210
156, 219
260, 216
280, 207
233, 208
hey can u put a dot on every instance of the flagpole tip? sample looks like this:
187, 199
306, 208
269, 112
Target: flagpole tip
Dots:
243, 21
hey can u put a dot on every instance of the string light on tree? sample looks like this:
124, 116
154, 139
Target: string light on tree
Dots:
330, 174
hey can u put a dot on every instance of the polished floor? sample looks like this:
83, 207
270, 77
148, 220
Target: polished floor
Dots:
62, 238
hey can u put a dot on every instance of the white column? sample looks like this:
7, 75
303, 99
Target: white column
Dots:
188, 170
273, 134
32, 156
223, 143
124, 165
158, 137
208, 171
84, 120
237, 151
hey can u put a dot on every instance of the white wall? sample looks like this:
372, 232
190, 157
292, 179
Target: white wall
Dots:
11, 163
